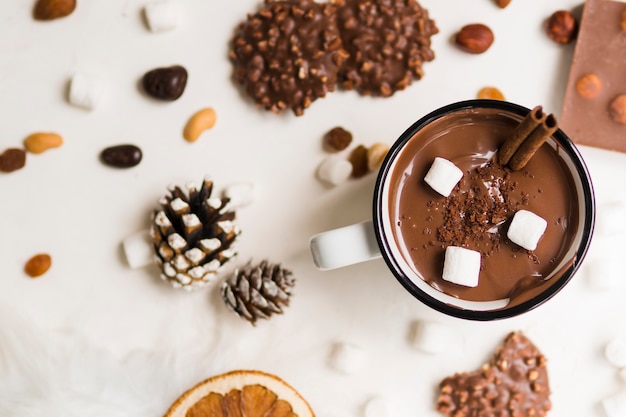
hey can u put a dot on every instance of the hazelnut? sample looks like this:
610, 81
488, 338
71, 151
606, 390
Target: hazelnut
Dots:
622, 22
475, 38
589, 86
491, 93
617, 109
562, 27
502, 3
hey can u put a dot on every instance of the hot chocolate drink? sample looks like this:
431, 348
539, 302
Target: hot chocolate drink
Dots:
477, 213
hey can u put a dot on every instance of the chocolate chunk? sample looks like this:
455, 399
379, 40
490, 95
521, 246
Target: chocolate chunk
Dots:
121, 156
358, 159
12, 159
513, 383
388, 41
165, 83
287, 54
599, 50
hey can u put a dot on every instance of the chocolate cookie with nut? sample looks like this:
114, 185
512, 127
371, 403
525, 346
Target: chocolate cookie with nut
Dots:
388, 41
288, 54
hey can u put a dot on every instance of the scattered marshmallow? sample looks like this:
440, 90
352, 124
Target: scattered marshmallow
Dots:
162, 15
138, 249
85, 91
602, 273
526, 229
615, 352
443, 176
334, 170
611, 218
461, 266
431, 337
347, 358
615, 405
240, 194
376, 407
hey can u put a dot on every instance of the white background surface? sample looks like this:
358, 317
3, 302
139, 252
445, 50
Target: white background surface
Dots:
66, 203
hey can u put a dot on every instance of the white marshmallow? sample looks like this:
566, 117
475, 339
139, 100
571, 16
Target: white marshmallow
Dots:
138, 249
443, 176
615, 405
162, 15
85, 91
376, 407
241, 194
526, 229
431, 337
615, 352
347, 358
602, 273
611, 218
461, 266
334, 170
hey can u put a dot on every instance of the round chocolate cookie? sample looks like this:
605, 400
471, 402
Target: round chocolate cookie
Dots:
288, 53
388, 41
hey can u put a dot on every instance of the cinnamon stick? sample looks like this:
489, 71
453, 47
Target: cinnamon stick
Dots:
532, 143
532, 120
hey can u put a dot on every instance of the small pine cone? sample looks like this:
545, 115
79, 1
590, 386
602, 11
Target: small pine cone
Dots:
257, 292
193, 235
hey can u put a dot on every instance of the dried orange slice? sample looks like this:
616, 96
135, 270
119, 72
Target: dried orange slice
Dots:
241, 394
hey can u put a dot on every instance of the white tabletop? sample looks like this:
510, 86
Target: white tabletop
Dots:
77, 325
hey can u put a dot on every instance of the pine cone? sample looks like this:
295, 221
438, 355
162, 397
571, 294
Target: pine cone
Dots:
193, 235
257, 292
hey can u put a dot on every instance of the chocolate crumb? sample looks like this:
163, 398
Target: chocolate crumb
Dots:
474, 216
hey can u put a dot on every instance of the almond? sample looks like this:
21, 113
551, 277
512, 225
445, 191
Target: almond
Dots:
38, 265
475, 38
40, 142
53, 9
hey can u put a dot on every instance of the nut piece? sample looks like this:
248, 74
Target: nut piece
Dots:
38, 265
622, 22
475, 38
491, 93
358, 159
337, 139
202, 120
502, 3
53, 9
12, 159
617, 109
376, 155
41, 141
562, 27
589, 86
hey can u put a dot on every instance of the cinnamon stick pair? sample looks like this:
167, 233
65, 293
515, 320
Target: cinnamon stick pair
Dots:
529, 135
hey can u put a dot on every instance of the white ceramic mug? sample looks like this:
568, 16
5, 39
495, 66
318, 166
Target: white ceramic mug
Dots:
372, 239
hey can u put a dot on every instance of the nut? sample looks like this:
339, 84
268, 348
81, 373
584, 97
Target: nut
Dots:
41, 141
562, 27
376, 155
38, 265
589, 86
617, 109
491, 93
622, 22
358, 159
12, 159
502, 3
475, 38
202, 120
53, 9
337, 139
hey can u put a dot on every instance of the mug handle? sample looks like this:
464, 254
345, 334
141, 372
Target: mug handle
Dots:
345, 246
